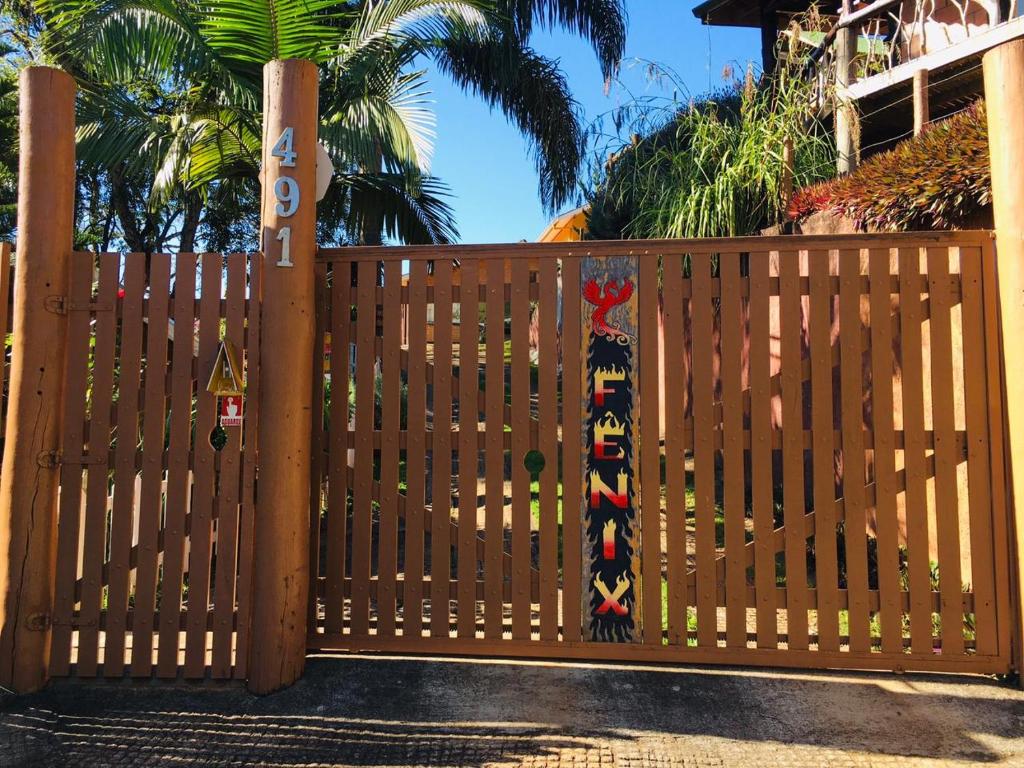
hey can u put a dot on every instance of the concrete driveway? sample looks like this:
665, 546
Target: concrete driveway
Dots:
374, 711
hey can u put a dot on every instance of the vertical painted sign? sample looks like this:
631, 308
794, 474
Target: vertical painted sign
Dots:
611, 525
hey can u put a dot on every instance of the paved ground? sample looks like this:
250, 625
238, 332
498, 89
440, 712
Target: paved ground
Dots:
382, 712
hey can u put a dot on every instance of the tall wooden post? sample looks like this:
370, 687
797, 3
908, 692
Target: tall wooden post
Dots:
281, 537
29, 479
922, 112
1004, 100
846, 46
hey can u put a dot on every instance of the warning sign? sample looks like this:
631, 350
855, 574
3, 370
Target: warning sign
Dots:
226, 376
231, 408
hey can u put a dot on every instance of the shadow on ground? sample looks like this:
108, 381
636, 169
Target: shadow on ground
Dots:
407, 712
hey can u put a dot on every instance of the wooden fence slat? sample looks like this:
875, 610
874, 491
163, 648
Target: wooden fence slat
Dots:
494, 456
153, 436
366, 361
1000, 534
441, 454
572, 460
823, 467
6, 325
675, 457
649, 451
469, 418
250, 425
178, 470
703, 448
123, 507
916, 499
521, 547
73, 439
317, 438
391, 409
854, 507
760, 451
547, 399
96, 477
794, 508
228, 498
886, 523
732, 452
201, 530
946, 502
337, 505
415, 472
978, 470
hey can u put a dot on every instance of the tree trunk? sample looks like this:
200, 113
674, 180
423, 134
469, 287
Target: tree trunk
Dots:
119, 200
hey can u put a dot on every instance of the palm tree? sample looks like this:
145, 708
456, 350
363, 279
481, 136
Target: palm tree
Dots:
171, 95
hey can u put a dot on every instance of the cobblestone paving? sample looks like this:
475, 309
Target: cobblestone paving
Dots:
384, 712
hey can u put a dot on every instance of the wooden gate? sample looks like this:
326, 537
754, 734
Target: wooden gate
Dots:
154, 550
807, 432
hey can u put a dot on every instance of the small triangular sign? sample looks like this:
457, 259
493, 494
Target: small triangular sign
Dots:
226, 376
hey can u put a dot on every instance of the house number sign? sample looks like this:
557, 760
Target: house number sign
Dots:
286, 192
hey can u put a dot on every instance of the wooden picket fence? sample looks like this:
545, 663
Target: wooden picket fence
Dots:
820, 475
154, 544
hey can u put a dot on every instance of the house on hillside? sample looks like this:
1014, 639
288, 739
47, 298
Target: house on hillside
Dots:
943, 40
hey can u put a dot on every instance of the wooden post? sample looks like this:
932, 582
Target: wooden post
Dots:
846, 46
1004, 100
281, 536
921, 111
29, 480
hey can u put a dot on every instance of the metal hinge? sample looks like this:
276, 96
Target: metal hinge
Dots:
81, 460
60, 305
49, 459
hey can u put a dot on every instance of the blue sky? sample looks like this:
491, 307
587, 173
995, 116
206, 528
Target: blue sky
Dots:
486, 162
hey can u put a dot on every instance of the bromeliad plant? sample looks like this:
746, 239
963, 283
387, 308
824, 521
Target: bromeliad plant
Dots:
937, 180
172, 92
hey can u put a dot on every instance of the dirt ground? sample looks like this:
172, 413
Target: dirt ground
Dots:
374, 711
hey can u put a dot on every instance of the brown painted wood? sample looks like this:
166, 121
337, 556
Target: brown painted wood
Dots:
572, 468
28, 491
494, 456
854, 505
248, 501
73, 442
96, 478
1004, 72
649, 451
681, 246
277, 653
441, 455
391, 410
794, 507
823, 462
366, 361
338, 491
914, 452
946, 503
469, 417
547, 401
996, 423
521, 547
228, 491
732, 453
675, 457
153, 436
412, 615
318, 438
178, 481
703, 448
886, 523
979, 475
204, 456
760, 452
123, 505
